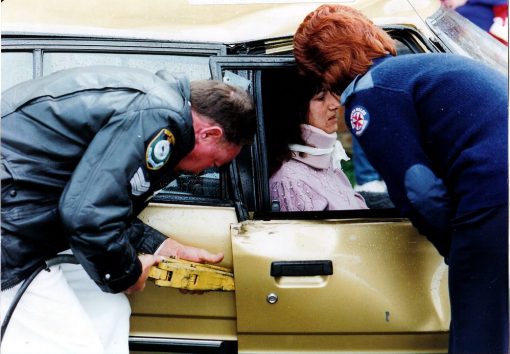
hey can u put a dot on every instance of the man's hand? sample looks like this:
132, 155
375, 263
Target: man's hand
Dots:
172, 248
147, 260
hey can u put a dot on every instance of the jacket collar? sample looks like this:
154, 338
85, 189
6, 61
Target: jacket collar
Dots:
361, 82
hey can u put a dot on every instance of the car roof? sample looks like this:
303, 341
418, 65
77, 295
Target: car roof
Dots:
217, 21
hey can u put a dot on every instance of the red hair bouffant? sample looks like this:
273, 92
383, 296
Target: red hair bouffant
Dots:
335, 43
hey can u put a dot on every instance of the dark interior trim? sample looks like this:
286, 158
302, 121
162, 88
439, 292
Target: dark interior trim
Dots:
192, 346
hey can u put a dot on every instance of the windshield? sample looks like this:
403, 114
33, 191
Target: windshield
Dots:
461, 36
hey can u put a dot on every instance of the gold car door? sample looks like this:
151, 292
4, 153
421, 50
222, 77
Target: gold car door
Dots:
338, 286
163, 317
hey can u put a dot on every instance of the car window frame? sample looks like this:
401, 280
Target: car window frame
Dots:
247, 66
39, 44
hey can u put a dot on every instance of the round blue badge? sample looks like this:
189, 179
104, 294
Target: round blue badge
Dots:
359, 120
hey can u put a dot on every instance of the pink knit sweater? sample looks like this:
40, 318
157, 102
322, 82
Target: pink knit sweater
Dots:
311, 182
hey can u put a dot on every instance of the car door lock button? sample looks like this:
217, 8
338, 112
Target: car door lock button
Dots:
272, 298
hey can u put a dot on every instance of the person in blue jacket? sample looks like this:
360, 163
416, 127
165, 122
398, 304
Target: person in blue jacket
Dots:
436, 127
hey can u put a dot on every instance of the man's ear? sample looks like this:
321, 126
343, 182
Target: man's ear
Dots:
211, 133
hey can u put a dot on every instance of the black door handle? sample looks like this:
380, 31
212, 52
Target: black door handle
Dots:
301, 268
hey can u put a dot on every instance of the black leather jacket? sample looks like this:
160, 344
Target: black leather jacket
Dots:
82, 151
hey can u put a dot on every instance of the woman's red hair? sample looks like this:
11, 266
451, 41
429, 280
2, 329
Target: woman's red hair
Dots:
335, 43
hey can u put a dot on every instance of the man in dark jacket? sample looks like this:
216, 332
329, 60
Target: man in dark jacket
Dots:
82, 152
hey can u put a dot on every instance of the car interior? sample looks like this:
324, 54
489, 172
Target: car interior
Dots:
277, 97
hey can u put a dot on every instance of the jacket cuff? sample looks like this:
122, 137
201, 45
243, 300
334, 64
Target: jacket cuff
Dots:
151, 240
112, 283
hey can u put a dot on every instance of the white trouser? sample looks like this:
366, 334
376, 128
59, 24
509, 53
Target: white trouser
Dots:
64, 311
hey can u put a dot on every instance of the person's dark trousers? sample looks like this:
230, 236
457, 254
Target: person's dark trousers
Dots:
478, 282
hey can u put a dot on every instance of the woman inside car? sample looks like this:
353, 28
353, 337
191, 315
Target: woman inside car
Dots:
306, 154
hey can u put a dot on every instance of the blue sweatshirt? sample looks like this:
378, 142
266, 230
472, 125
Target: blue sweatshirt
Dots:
436, 127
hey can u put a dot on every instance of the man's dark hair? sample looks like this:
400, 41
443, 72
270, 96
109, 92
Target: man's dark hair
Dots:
229, 106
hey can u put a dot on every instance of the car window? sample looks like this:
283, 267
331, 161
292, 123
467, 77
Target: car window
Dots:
463, 37
279, 105
16, 67
276, 104
195, 67
206, 184
21, 64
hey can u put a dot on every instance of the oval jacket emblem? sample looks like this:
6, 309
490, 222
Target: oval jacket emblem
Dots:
159, 149
359, 120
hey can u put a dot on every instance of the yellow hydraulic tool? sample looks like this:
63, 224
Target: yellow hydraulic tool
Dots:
182, 274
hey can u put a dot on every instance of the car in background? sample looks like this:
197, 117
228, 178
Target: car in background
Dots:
359, 281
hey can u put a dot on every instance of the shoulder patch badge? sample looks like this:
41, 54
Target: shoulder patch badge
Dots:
359, 120
159, 149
